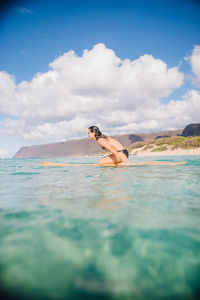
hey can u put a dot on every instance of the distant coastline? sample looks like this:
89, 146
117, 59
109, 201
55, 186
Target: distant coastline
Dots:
170, 142
140, 152
176, 145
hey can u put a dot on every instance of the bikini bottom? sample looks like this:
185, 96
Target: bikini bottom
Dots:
124, 151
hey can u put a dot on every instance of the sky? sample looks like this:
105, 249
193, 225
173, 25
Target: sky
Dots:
125, 66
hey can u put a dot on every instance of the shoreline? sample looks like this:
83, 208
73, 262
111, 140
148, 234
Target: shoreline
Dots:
179, 151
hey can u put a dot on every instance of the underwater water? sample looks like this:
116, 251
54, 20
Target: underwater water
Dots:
100, 232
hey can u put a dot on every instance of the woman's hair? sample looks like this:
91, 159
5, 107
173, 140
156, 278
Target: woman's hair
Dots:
98, 133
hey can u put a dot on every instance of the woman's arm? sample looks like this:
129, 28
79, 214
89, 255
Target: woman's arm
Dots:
103, 142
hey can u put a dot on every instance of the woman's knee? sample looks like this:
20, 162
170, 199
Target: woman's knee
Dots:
110, 159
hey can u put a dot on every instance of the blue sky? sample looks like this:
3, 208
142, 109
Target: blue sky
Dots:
34, 33
31, 38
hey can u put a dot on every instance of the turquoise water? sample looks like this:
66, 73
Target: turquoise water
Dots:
100, 232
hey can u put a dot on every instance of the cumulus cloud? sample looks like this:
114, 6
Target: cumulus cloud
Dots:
95, 88
194, 60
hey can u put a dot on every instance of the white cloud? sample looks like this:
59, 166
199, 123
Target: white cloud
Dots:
25, 10
95, 88
194, 60
7, 92
4, 153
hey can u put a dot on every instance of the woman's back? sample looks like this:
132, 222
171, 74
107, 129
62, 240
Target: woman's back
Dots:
114, 143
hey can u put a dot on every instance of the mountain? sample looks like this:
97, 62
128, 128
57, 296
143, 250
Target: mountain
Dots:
191, 130
84, 146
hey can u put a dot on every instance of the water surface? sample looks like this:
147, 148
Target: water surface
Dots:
100, 232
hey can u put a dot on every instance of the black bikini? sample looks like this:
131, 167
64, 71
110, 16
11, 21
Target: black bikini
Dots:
124, 151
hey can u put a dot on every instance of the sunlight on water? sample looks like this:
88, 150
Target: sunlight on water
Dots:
93, 232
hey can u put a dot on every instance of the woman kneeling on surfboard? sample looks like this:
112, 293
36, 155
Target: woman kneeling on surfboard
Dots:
119, 154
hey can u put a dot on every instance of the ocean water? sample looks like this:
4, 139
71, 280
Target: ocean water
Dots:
100, 232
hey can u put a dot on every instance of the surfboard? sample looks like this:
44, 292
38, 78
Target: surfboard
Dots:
150, 163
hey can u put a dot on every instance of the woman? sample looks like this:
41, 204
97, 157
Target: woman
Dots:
119, 154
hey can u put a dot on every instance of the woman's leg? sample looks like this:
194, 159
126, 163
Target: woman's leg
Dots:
111, 159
